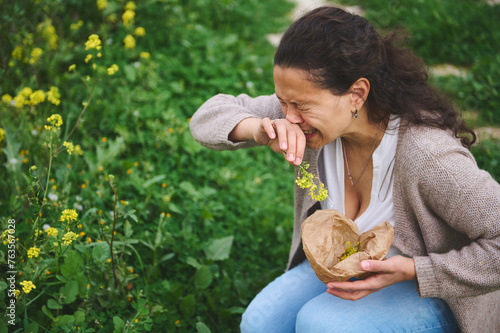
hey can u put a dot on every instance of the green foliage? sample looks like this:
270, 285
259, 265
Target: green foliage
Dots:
487, 154
169, 235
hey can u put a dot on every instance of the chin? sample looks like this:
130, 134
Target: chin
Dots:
313, 145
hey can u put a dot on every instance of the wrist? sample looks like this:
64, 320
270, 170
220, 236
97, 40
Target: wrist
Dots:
244, 130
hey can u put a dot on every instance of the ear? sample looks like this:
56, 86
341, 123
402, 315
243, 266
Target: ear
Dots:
359, 92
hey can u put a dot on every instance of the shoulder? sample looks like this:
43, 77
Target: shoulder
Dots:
423, 146
433, 162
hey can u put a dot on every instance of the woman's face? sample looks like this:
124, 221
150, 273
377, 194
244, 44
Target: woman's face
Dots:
322, 116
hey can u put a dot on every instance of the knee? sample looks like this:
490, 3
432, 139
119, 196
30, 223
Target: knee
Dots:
257, 317
312, 318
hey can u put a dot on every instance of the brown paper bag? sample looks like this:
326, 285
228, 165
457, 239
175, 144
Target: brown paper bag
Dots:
324, 237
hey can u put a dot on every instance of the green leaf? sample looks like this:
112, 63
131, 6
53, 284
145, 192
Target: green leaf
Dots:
202, 328
236, 310
65, 319
127, 227
219, 249
166, 257
130, 73
47, 312
203, 277
174, 208
32, 327
79, 316
193, 262
189, 188
119, 324
69, 291
188, 306
155, 179
100, 252
189, 144
53, 304
72, 264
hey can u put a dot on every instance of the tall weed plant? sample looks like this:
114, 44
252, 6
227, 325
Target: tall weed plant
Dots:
112, 218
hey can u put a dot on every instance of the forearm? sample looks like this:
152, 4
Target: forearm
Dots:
216, 120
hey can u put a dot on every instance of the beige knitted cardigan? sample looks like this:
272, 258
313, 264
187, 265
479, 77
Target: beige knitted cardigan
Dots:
447, 210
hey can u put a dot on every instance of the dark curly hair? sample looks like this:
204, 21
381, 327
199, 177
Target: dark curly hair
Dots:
336, 48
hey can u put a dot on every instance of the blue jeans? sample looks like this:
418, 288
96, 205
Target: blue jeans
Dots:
297, 302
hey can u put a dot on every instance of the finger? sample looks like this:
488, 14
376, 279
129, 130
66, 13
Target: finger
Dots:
352, 285
301, 146
376, 266
347, 295
282, 136
267, 124
292, 140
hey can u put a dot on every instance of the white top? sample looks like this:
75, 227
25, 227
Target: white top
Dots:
381, 207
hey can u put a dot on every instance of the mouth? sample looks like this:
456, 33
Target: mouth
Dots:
309, 133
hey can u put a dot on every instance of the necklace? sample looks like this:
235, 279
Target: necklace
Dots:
369, 158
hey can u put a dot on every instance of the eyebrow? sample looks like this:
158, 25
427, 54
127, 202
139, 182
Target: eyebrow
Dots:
296, 103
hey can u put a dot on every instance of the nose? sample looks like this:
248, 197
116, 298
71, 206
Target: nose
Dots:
293, 115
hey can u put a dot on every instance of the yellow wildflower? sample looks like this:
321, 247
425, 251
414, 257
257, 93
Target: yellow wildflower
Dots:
145, 55
139, 31
69, 237
69, 215
26, 92
76, 26
349, 250
27, 286
71, 68
78, 150
82, 233
52, 232
128, 17
88, 58
129, 42
54, 96
17, 292
33, 252
94, 42
37, 97
19, 101
130, 5
7, 98
307, 181
49, 33
113, 69
101, 4
2, 134
55, 120
17, 53
69, 147
36, 53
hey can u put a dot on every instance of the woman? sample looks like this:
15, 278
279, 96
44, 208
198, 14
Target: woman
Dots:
358, 109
